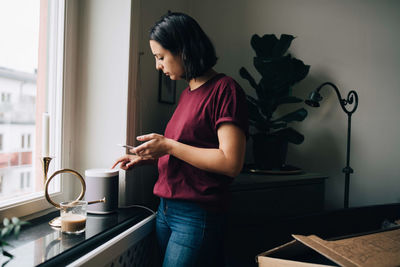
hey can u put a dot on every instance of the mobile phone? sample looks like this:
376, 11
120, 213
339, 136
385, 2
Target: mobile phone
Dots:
126, 146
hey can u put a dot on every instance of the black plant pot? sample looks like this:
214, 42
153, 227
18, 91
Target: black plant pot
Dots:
269, 151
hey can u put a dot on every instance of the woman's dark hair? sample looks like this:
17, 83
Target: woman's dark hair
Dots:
182, 35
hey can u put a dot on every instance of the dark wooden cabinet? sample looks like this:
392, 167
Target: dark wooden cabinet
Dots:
259, 203
261, 197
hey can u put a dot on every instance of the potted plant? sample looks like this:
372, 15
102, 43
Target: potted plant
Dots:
279, 72
10, 226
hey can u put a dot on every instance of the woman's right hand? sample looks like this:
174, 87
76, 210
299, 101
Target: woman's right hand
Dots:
129, 161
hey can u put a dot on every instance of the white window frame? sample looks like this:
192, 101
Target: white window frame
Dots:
59, 104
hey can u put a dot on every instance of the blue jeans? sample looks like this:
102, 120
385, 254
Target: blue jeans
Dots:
188, 235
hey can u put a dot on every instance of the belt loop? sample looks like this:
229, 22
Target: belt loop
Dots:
164, 204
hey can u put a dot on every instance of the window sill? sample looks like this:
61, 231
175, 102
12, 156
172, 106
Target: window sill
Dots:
40, 244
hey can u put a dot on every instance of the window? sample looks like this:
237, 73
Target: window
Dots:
28, 180
32, 83
21, 180
29, 141
1, 141
22, 141
18, 76
5, 97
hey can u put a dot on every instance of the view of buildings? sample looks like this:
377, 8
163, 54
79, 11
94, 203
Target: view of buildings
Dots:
17, 132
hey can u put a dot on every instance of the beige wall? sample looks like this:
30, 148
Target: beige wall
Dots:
102, 82
155, 114
354, 44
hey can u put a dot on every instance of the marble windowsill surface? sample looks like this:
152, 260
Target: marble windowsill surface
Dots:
40, 244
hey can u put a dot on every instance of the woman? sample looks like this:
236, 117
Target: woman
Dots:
201, 150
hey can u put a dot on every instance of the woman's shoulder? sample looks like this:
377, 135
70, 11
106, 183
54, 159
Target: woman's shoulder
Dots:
225, 82
222, 77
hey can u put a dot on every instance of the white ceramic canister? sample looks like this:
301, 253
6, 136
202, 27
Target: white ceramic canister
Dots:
102, 183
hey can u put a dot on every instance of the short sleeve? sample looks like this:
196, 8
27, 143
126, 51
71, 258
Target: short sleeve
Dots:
231, 105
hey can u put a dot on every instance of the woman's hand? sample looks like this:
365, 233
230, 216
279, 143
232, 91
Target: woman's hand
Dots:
129, 161
156, 146
147, 153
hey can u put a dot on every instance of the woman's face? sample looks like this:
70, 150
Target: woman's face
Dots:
169, 63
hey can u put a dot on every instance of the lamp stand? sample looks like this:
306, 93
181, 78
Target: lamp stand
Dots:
347, 170
352, 98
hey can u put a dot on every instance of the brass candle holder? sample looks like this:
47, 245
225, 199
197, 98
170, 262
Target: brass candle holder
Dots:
56, 222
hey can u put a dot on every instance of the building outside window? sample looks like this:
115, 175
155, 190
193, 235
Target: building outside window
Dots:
17, 120
1, 184
18, 89
31, 83
29, 141
28, 179
5, 97
21, 180
22, 141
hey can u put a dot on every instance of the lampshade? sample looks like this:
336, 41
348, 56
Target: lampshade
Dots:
314, 99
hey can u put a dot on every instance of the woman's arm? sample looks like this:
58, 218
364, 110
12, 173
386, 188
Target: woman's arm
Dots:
227, 159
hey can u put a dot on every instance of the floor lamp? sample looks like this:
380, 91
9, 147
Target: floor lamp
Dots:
352, 97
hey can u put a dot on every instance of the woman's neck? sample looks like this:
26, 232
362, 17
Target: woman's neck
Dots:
199, 81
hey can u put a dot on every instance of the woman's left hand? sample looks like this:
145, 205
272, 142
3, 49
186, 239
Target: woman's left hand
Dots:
155, 146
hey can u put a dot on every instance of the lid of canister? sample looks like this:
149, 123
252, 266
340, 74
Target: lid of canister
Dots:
101, 172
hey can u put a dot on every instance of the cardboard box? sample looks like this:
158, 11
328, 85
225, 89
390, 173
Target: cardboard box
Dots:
374, 249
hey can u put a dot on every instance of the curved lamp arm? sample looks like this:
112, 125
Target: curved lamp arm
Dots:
351, 97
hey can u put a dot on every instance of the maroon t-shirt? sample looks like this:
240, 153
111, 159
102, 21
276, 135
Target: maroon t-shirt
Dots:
195, 122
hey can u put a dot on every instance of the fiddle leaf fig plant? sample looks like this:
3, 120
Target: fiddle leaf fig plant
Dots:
10, 226
279, 72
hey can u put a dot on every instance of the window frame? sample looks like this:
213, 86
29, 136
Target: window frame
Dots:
60, 103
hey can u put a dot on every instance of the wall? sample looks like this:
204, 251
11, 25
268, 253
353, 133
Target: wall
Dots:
102, 83
151, 11
153, 115
353, 44
102, 89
